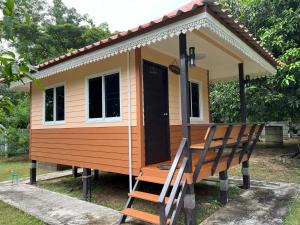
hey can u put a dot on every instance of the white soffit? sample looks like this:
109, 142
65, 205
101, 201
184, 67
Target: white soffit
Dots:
198, 22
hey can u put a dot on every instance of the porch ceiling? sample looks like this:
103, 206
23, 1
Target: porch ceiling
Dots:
221, 59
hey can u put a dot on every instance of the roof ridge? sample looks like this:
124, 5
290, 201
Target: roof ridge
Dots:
188, 7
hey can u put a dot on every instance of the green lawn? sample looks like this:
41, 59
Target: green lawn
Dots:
111, 191
12, 216
293, 218
19, 164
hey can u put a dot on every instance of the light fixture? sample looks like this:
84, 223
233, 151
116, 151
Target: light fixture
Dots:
247, 80
192, 57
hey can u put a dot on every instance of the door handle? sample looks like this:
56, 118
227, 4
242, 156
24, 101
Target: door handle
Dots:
165, 114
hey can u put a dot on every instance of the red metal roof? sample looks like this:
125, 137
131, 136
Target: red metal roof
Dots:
195, 6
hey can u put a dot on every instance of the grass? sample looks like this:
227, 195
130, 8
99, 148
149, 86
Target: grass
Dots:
18, 164
111, 190
293, 217
13, 216
265, 166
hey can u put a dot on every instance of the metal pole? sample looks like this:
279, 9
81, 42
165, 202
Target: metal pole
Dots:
33, 172
245, 164
242, 93
189, 200
87, 188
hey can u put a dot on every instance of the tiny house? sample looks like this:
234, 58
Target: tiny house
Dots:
137, 103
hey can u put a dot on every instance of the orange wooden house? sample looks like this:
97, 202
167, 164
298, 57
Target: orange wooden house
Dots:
126, 103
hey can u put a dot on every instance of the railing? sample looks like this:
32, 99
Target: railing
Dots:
170, 207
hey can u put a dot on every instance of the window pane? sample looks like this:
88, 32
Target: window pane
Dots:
60, 103
195, 100
49, 97
95, 97
112, 95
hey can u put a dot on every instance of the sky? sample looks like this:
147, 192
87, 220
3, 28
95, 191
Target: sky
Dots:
122, 15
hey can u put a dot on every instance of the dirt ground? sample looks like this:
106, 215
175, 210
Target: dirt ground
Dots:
264, 164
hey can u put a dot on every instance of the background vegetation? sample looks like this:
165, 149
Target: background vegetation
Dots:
273, 98
41, 32
37, 32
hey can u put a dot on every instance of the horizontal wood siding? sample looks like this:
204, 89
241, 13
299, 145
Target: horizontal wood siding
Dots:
102, 148
197, 136
76, 94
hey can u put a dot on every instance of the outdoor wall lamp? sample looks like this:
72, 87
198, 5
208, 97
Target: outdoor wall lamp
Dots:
247, 80
192, 57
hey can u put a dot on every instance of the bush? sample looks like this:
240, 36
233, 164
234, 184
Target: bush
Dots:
17, 141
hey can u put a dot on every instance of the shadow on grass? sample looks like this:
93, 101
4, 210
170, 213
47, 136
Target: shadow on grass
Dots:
111, 190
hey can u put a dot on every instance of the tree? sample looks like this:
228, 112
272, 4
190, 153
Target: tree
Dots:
12, 67
277, 97
56, 31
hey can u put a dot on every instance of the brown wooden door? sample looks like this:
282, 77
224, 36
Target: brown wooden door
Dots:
156, 113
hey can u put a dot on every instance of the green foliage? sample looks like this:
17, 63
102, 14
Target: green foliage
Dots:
15, 120
13, 67
225, 102
277, 97
53, 31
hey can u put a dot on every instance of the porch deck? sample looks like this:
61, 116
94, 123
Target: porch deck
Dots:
153, 173
224, 146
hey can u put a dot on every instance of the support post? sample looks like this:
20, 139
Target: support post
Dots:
189, 200
246, 175
96, 174
75, 171
245, 166
33, 172
87, 184
224, 187
242, 93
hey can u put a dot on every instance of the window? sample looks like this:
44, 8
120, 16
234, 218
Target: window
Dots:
104, 97
194, 99
55, 104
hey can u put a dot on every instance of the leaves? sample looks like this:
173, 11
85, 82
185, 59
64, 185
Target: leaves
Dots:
274, 97
8, 8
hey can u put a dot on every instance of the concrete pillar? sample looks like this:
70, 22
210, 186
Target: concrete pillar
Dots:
87, 184
33, 172
224, 187
75, 171
246, 175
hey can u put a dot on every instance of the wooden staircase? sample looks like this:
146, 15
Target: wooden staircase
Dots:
176, 180
174, 183
154, 198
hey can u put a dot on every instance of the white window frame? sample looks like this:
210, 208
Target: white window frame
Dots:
199, 118
87, 99
54, 122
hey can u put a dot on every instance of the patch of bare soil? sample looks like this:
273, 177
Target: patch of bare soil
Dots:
264, 163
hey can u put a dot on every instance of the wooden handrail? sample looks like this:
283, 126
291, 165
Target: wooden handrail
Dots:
179, 202
165, 209
172, 171
203, 153
176, 186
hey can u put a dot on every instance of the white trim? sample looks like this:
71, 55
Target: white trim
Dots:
103, 119
197, 22
129, 121
200, 91
54, 122
201, 101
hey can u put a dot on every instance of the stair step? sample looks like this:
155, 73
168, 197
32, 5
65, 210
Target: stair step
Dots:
140, 215
147, 196
151, 179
